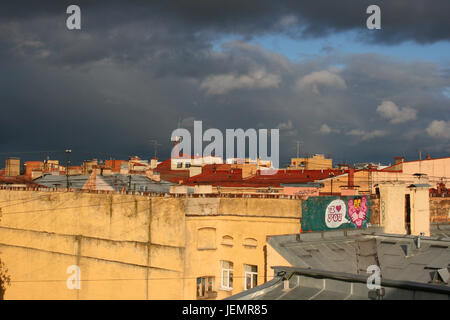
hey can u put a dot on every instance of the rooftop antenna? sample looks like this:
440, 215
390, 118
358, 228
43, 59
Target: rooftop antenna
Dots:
298, 147
155, 147
420, 160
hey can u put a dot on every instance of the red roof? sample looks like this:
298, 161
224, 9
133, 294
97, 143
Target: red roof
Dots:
233, 177
18, 180
167, 174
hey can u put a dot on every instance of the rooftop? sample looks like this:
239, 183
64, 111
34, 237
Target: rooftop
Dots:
333, 265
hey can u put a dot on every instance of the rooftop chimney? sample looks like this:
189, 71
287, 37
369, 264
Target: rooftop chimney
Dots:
351, 177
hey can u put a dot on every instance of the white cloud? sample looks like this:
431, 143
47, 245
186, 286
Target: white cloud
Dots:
367, 135
221, 84
317, 79
389, 110
439, 129
325, 129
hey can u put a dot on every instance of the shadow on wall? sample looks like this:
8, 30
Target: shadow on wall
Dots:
4, 279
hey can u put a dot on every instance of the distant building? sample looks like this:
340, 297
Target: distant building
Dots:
89, 165
115, 165
366, 180
33, 166
371, 165
12, 168
316, 162
50, 165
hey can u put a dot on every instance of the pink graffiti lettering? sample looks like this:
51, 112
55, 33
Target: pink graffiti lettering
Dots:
335, 217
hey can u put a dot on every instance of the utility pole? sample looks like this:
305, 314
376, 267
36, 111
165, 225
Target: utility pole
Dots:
68, 152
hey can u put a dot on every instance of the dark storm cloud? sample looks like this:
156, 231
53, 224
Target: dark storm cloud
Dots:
137, 68
418, 20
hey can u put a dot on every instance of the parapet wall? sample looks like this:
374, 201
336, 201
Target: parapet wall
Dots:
439, 209
128, 246
120, 242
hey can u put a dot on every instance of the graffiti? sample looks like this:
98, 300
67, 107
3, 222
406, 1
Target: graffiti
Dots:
329, 213
335, 214
357, 211
301, 191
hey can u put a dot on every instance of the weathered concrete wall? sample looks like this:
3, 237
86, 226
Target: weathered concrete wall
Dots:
133, 246
392, 207
261, 207
439, 209
375, 210
122, 243
420, 211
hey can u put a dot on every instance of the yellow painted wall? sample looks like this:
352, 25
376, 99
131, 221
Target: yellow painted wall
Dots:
240, 219
132, 246
316, 162
122, 243
392, 208
274, 259
420, 211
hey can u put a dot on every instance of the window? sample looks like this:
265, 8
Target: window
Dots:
179, 164
205, 287
187, 165
250, 276
227, 275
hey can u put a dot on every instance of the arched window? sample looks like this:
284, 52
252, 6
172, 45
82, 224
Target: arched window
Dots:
227, 241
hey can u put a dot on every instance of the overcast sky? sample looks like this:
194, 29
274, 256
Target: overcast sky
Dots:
310, 68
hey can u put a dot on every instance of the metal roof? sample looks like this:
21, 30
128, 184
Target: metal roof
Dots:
308, 284
115, 181
399, 257
333, 265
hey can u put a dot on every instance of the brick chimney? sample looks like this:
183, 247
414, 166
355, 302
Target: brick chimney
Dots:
351, 177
